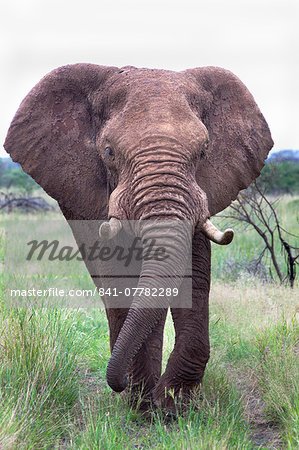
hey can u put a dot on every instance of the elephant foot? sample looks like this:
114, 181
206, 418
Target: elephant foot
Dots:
140, 395
174, 398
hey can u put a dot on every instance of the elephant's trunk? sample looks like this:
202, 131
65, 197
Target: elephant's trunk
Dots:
167, 206
146, 310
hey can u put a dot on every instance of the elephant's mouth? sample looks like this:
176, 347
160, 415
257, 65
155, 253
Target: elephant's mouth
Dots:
110, 229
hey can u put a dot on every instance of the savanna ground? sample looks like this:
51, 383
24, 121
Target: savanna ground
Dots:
53, 392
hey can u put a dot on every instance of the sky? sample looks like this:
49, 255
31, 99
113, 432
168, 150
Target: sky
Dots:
255, 39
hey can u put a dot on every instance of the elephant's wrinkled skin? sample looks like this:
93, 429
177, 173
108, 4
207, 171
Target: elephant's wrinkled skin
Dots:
145, 144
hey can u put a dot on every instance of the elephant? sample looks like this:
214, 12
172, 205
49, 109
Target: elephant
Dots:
146, 145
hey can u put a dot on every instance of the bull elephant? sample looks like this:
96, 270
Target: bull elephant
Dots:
141, 144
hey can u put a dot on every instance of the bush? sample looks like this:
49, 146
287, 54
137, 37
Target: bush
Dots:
280, 177
18, 179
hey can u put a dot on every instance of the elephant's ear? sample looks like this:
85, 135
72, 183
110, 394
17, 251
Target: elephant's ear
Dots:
240, 139
53, 134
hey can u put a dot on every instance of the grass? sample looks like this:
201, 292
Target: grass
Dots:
39, 382
278, 376
53, 392
216, 424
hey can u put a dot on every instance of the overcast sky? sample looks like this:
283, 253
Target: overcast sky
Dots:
255, 39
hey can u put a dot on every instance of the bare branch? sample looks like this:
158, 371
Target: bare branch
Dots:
252, 207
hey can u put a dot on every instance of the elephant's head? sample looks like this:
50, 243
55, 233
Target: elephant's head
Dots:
140, 144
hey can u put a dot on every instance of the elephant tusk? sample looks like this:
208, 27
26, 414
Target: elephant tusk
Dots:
109, 230
215, 235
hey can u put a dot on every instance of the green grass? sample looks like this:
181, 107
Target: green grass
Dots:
278, 377
214, 421
53, 392
39, 382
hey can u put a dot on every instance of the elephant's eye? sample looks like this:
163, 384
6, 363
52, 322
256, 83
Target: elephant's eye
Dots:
109, 152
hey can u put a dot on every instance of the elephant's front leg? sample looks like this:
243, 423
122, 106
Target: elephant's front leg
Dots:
186, 364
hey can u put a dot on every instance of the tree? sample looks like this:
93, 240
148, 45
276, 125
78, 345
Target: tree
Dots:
18, 179
253, 208
280, 177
